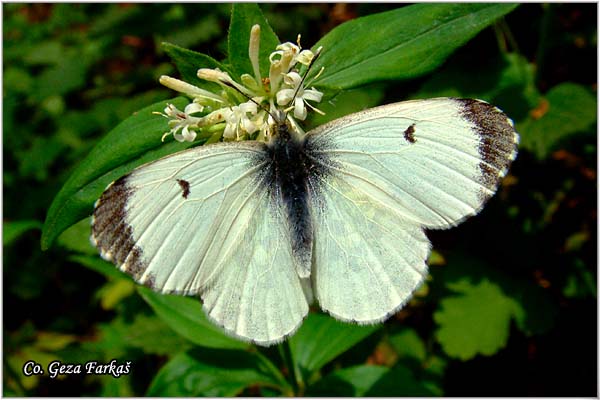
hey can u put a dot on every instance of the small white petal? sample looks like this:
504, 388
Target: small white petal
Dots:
248, 125
299, 109
272, 56
186, 88
284, 96
215, 117
305, 57
253, 50
288, 46
213, 75
172, 111
179, 137
188, 135
292, 79
248, 107
229, 131
193, 108
312, 95
251, 83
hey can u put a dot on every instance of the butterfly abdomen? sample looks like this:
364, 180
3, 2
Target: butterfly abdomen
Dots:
288, 178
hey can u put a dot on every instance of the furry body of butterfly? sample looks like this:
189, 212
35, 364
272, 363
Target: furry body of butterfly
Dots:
292, 170
339, 214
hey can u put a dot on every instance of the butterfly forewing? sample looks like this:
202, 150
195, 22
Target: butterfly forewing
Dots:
204, 222
433, 161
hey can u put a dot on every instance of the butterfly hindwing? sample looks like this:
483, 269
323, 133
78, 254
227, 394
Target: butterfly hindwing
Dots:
258, 294
366, 269
203, 222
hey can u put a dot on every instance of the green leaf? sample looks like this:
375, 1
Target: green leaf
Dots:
243, 17
112, 387
347, 102
580, 282
399, 381
407, 343
97, 264
534, 311
185, 316
53, 341
45, 53
206, 372
152, 335
476, 322
119, 286
321, 338
113, 292
348, 382
206, 29
37, 160
436, 365
17, 360
400, 44
62, 78
188, 63
11, 230
475, 318
147, 333
17, 81
77, 238
135, 141
567, 109
507, 81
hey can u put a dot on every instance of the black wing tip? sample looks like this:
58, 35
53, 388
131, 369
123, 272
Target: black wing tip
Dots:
489, 119
498, 140
111, 234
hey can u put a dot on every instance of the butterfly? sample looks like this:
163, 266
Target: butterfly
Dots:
337, 215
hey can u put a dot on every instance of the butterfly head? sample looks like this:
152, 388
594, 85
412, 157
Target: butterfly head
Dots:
282, 129
279, 116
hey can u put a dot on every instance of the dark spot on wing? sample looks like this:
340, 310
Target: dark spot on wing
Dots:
111, 232
498, 140
185, 187
409, 134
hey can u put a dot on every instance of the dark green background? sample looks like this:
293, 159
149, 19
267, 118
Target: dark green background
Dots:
72, 72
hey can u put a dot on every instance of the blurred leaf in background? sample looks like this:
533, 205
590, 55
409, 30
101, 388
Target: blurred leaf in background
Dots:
510, 306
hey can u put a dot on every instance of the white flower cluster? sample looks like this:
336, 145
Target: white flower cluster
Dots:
230, 111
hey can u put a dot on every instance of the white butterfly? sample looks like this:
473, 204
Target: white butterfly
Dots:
259, 229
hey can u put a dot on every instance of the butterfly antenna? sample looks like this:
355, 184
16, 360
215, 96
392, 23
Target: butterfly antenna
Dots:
229, 84
317, 53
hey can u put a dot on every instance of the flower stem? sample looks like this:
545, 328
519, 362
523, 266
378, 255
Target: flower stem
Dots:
294, 374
